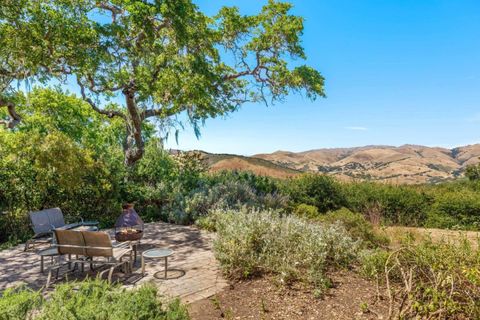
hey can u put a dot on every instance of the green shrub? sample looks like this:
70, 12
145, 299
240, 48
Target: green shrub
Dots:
356, 226
231, 195
208, 222
321, 191
434, 280
456, 209
372, 262
262, 185
18, 303
306, 211
90, 300
251, 243
404, 205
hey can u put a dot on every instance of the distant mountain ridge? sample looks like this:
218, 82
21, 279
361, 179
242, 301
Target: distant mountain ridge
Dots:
406, 164
403, 164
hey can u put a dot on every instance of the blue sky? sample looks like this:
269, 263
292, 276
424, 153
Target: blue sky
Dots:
397, 71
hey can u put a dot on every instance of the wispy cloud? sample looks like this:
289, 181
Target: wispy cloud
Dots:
356, 128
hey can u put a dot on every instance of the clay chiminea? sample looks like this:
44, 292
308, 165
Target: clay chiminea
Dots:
129, 226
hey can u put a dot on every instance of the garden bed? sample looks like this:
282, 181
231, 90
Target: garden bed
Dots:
351, 297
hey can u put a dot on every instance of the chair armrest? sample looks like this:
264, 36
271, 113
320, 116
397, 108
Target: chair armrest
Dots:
89, 222
67, 226
126, 244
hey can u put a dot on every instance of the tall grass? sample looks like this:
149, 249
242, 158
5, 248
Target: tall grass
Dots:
428, 280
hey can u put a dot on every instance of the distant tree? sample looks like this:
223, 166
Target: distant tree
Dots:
472, 172
138, 59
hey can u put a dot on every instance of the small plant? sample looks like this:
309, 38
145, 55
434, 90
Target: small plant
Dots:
364, 307
263, 306
216, 302
207, 223
317, 293
18, 303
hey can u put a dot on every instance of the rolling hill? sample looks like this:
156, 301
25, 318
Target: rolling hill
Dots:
405, 164
219, 162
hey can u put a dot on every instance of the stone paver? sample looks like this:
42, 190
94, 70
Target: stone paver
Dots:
193, 261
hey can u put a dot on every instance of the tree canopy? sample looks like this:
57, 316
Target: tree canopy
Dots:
137, 60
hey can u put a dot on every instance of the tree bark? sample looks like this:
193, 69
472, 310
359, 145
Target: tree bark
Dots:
134, 146
14, 117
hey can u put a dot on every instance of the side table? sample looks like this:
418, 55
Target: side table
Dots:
156, 254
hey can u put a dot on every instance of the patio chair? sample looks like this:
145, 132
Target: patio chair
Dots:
45, 221
93, 248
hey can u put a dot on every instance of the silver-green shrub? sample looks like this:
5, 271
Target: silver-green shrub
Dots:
231, 195
253, 242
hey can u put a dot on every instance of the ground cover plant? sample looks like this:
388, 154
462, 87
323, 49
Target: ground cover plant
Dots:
89, 300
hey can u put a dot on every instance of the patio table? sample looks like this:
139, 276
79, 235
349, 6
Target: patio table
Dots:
156, 254
49, 252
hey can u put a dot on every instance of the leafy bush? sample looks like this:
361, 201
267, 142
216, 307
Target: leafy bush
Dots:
17, 303
454, 209
306, 211
262, 185
472, 172
92, 299
231, 195
356, 226
321, 191
255, 242
429, 280
404, 205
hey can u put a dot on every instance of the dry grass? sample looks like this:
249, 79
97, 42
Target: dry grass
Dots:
253, 166
396, 234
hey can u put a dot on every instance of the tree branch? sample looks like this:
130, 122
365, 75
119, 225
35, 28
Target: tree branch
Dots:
248, 72
114, 10
163, 112
108, 113
14, 117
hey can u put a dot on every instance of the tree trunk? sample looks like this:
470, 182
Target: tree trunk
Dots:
134, 144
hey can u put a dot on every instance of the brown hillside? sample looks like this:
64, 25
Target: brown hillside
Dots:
404, 164
220, 162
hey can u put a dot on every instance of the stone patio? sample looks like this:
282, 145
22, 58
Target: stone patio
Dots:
195, 274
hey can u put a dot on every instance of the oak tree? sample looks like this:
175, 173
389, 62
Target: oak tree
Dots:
151, 60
